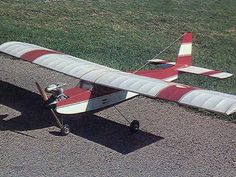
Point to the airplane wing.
(98, 74)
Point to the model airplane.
(101, 87)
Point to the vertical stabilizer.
(185, 51)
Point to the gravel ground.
(174, 140)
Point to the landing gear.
(134, 126)
(65, 129)
(58, 94)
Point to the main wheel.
(134, 126)
(65, 130)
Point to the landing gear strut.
(134, 125)
(65, 129)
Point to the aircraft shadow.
(33, 116)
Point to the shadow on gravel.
(94, 128)
(33, 115)
(111, 134)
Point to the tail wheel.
(134, 126)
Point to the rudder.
(185, 52)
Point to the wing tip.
(231, 110)
(222, 75)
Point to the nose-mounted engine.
(57, 92)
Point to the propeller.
(64, 128)
(42, 92)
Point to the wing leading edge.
(98, 74)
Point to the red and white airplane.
(101, 87)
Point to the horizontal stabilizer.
(205, 72)
(194, 69)
(160, 61)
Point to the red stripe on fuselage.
(174, 92)
(74, 91)
(79, 97)
(158, 74)
(78, 94)
(32, 55)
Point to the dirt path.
(174, 141)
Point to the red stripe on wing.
(32, 55)
(174, 92)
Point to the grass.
(124, 34)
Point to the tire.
(134, 126)
(65, 130)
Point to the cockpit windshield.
(85, 85)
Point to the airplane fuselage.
(98, 97)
